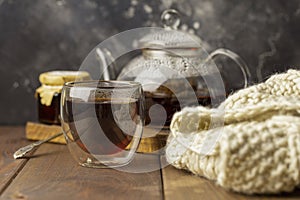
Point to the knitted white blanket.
(258, 149)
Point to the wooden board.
(180, 184)
(53, 174)
(37, 131)
(11, 138)
(152, 140)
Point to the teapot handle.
(236, 58)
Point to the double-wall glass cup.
(102, 121)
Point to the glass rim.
(100, 84)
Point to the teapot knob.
(170, 19)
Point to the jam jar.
(49, 93)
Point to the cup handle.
(236, 58)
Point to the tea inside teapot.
(170, 84)
(170, 102)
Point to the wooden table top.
(51, 173)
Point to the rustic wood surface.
(51, 173)
(180, 184)
(11, 138)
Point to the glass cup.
(102, 121)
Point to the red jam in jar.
(49, 93)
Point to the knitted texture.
(258, 150)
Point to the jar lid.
(59, 78)
(170, 37)
(53, 81)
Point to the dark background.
(43, 35)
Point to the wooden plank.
(11, 138)
(152, 141)
(180, 184)
(53, 174)
(37, 131)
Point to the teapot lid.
(170, 37)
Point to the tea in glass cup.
(102, 121)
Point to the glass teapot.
(176, 71)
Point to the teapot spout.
(108, 69)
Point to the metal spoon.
(20, 153)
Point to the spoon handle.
(20, 153)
